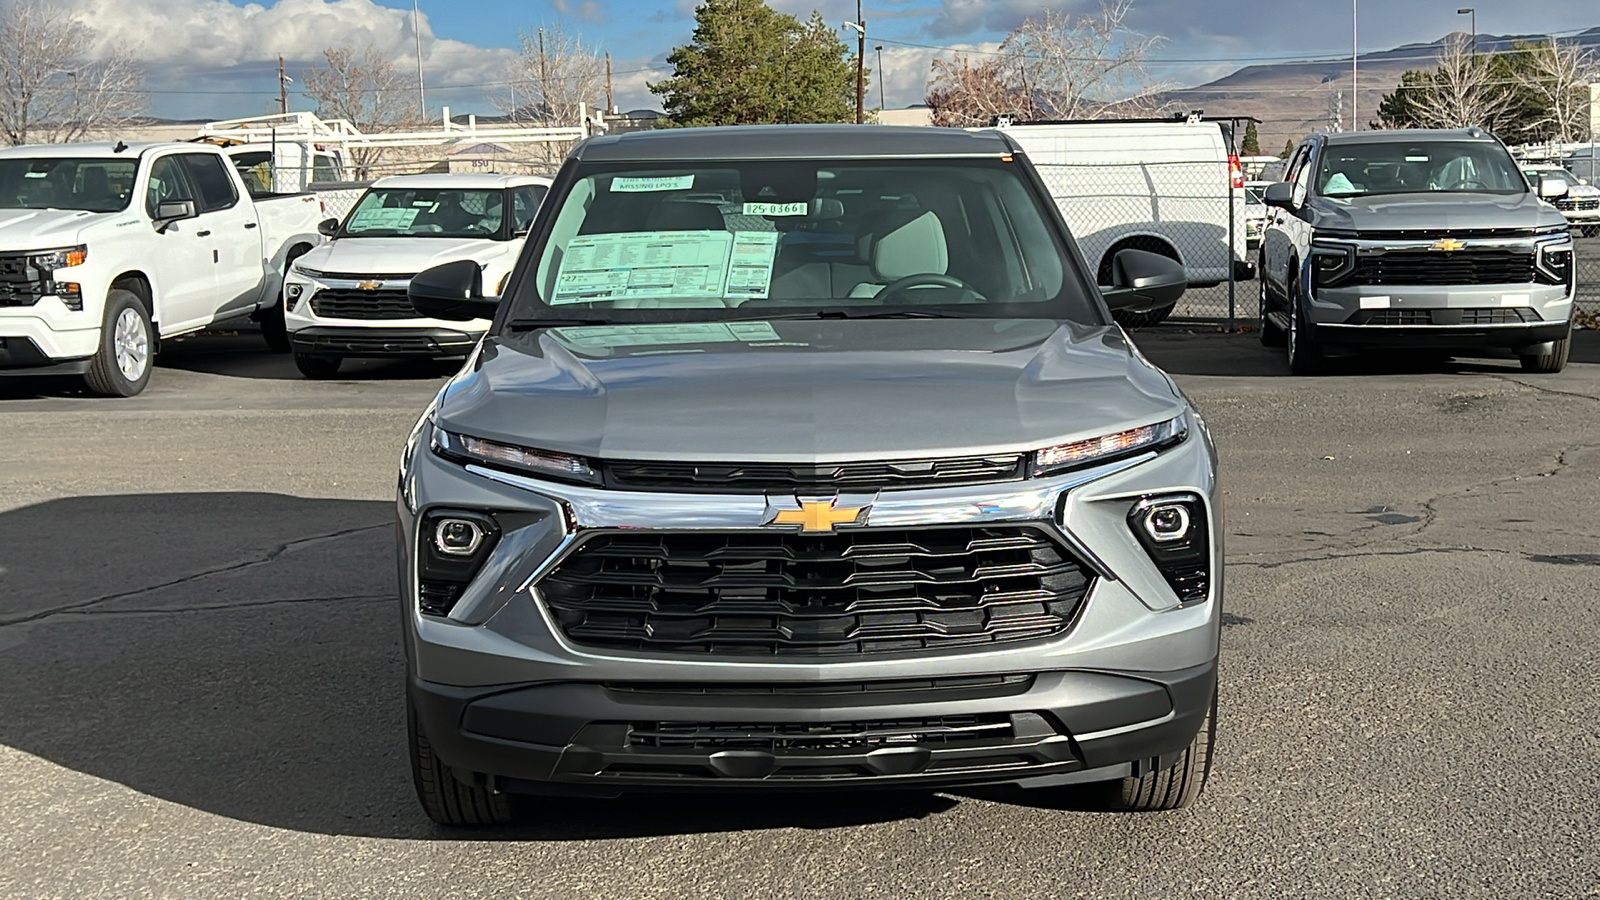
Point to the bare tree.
(1557, 74)
(555, 77)
(1464, 90)
(1056, 66)
(963, 95)
(1083, 67)
(50, 90)
(366, 89)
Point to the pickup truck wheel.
(121, 368)
(1271, 335)
(1551, 362)
(317, 366)
(1305, 353)
(446, 799)
(1177, 786)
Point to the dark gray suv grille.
(353, 303)
(1439, 268)
(787, 594)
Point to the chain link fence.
(1189, 211)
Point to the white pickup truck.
(106, 249)
(348, 298)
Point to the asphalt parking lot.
(200, 673)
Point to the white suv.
(347, 298)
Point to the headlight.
(61, 259)
(1100, 449)
(1332, 263)
(308, 271)
(461, 448)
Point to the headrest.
(682, 215)
(914, 247)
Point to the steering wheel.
(922, 279)
(1467, 184)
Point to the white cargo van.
(1164, 186)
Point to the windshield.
(426, 212)
(741, 240)
(1393, 167)
(95, 185)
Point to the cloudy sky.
(214, 58)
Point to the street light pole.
(1355, 67)
(861, 52)
(879, 48)
(1473, 12)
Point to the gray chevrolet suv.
(806, 457)
(1428, 240)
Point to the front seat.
(897, 248)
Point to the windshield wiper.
(530, 324)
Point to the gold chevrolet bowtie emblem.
(369, 285)
(818, 516)
(1448, 245)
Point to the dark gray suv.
(806, 457)
(1414, 239)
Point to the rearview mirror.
(1142, 281)
(1280, 195)
(453, 292)
(1552, 188)
(328, 227)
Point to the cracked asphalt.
(200, 674)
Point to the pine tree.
(748, 64)
(1288, 148)
(1252, 141)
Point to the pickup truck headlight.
(1110, 446)
(525, 460)
(64, 258)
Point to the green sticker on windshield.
(776, 209)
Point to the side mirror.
(1280, 195)
(328, 227)
(172, 211)
(1142, 281)
(453, 292)
(1552, 188)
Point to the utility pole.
(610, 107)
(861, 52)
(416, 33)
(544, 82)
(1355, 66)
(283, 88)
(881, 107)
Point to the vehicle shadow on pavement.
(245, 356)
(239, 654)
(1197, 350)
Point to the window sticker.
(687, 264)
(623, 184)
(383, 218)
(603, 337)
(750, 268)
(776, 209)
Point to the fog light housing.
(1174, 531)
(452, 547)
(291, 295)
(457, 537)
(70, 294)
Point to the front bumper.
(355, 341)
(503, 692)
(604, 739)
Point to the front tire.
(1304, 351)
(1271, 335)
(273, 328)
(447, 800)
(1177, 786)
(317, 367)
(121, 367)
(1552, 362)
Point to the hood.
(806, 390)
(1434, 212)
(402, 256)
(44, 229)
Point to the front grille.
(787, 594)
(352, 303)
(779, 737)
(1442, 268)
(747, 477)
(1488, 315)
(20, 294)
(1588, 204)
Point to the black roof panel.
(793, 142)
